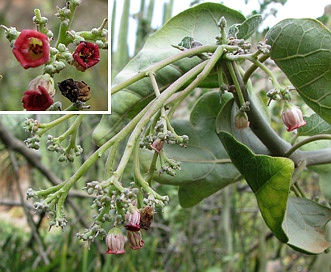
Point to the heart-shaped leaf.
(314, 125)
(302, 49)
(305, 225)
(269, 179)
(198, 22)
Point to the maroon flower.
(292, 117)
(37, 100)
(31, 48)
(132, 219)
(115, 241)
(135, 239)
(86, 55)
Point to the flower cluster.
(32, 48)
(135, 220)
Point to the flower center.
(35, 47)
(85, 54)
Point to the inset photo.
(54, 56)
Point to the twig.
(31, 223)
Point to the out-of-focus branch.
(34, 159)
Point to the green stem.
(139, 178)
(233, 74)
(65, 26)
(306, 141)
(253, 68)
(159, 65)
(152, 168)
(72, 129)
(48, 126)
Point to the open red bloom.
(37, 100)
(86, 55)
(31, 48)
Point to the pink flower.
(115, 241)
(135, 239)
(37, 100)
(86, 55)
(157, 145)
(292, 117)
(31, 48)
(132, 219)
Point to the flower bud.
(241, 120)
(132, 218)
(43, 80)
(157, 145)
(115, 241)
(292, 117)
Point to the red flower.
(115, 241)
(292, 118)
(86, 55)
(37, 100)
(31, 48)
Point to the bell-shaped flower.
(31, 48)
(132, 218)
(115, 241)
(292, 117)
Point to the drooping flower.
(115, 241)
(241, 120)
(146, 217)
(31, 48)
(292, 117)
(37, 100)
(86, 55)
(157, 145)
(135, 239)
(132, 219)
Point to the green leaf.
(206, 167)
(198, 22)
(301, 48)
(269, 179)
(246, 29)
(315, 125)
(305, 225)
